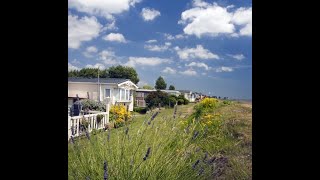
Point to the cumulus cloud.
(90, 51)
(224, 69)
(110, 26)
(213, 20)
(197, 52)
(98, 65)
(200, 65)
(117, 37)
(173, 37)
(169, 70)
(142, 83)
(146, 61)
(243, 17)
(75, 61)
(149, 14)
(82, 29)
(168, 36)
(151, 41)
(108, 57)
(188, 72)
(72, 67)
(158, 47)
(237, 56)
(105, 8)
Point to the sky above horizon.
(203, 46)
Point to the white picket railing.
(75, 121)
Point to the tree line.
(112, 72)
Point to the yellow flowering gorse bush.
(119, 114)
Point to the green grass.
(173, 149)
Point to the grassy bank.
(169, 148)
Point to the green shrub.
(172, 100)
(85, 123)
(156, 97)
(186, 101)
(93, 105)
(226, 102)
(141, 110)
(180, 101)
(99, 117)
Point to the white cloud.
(75, 61)
(149, 14)
(200, 3)
(82, 29)
(213, 20)
(243, 17)
(204, 73)
(180, 36)
(158, 47)
(72, 67)
(168, 36)
(108, 57)
(115, 37)
(200, 65)
(151, 41)
(110, 26)
(90, 51)
(145, 61)
(98, 65)
(198, 52)
(188, 72)
(237, 56)
(142, 83)
(169, 70)
(172, 37)
(105, 8)
(224, 69)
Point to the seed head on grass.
(211, 160)
(154, 115)
(87, 134)
(206, 130)
(147, 154)
(87, 178)
(195, 135)
(205, 157)
(127, 130)
(108, 135)
(200, 171)
(72, 139)
(105, 168)
(195, 164)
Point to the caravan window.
(107, 93)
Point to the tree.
(172, 100)
(89, 73)
(147, 87)
(160, 83)
(182, 100)
(124, 72)
(171, 87)
(154, 98)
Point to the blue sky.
(204, 46)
